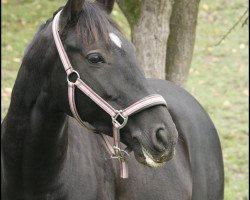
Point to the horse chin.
(144, 157)
(149, 159)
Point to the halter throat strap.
(119, 117)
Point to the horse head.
(106, 62)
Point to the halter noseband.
(119, 117)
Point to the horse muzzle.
(157, 148)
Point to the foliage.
(218, 76)
(132, 8)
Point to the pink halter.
(114, 149)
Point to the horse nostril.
(160, 139)
(161, 135)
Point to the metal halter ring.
(73, 71)
(118, 124)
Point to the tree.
(163, 32)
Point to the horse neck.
(37, 130)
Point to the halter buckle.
(115, 119)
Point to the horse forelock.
(94, 24)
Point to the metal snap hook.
(121, 155)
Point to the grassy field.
(218, 77)
(219, 80)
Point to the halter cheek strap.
(119, 117)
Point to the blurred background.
(218, 76)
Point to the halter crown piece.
(119, 117)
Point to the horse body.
(47, 155)
(85, 171)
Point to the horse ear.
(107, 4)
(70, 11)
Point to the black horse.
(47, 155)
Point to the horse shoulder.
(87, 173)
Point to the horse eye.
(95, 58)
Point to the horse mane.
(93, 25)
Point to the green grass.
(218, 77)
(219, 80)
